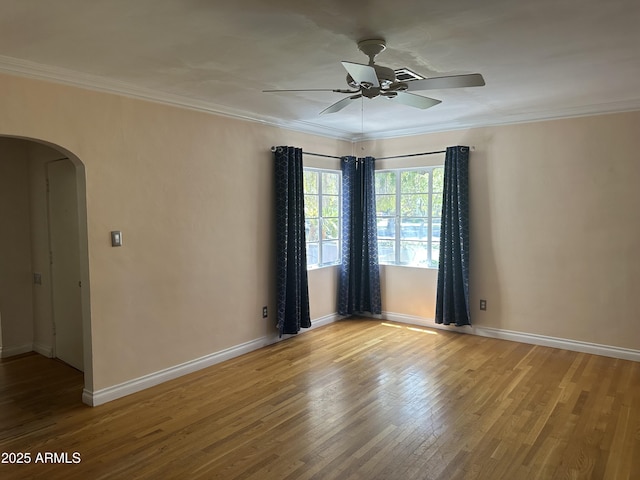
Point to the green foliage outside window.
(322, 216)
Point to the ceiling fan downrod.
(371, 48)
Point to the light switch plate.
(116, 238)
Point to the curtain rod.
(273, 149)
(411, 155)
(320, 155)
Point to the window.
(322, 216)
(408, 208)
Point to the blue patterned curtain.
(359, 285)
(452, 303)
(292, 286)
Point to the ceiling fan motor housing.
(386, 77)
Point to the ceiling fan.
(374, 80)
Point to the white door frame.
(64, 260)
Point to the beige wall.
(554, 228)
(192, 195)
(553, 224)
(16, 311)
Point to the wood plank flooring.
(357, 399)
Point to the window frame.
(397, 240)
(320, 195)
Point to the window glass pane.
(329, 229)
(415, 205)
(310, 181)
(414, 181)
(417, 224)
(386, 227)
(414, 228)
(385, 182)
(385, 205)
(330, 183)
(438, 179)
(435, 229)
(330, 207)
(311, 229)
(435, 255)
(386, 251)
(312, 254)
(414, 253)
(311, 206)
(322, 216)
(436, 210)
(330, 252)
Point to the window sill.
(421, 267)
(320, 267)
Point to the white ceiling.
(540, 59)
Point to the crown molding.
(37, 71)
(25, 68)
(559, 114)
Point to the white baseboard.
(108, 394)
(114, 392)
(10, 351)
(530, 338)
(46, 350)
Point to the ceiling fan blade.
(338, 90)
(453, 81)
(336, 107)
(364, 75)
(412, 100)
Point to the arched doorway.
(44, 294)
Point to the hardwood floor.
(357, 399)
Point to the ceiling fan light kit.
(372, 80)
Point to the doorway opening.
(44, 291)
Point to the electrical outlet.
(483, 304)
(265, 314)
